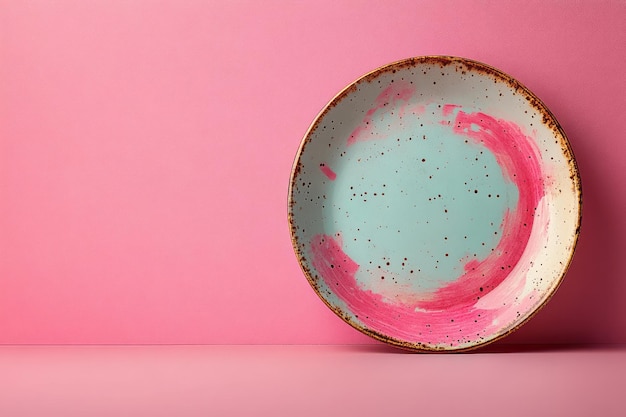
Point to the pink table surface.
(146, 147)
(307, 381)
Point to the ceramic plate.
(434, 204)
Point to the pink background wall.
(146, 146)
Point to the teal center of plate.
(414, 207)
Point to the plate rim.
(548, 119)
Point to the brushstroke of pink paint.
(330, 174)
(402, 321)
(398, 93)
(514, 293)
(519, 159)
(449, 108)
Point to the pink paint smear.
(519, 160)
(330, 174)
(448, 109)
(449, 315)
(401, 321)
(393, 97)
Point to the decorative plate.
(435, 204)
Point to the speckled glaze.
(435, 204)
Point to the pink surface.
(309, 381)
(145, 151)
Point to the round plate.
(435, 204)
